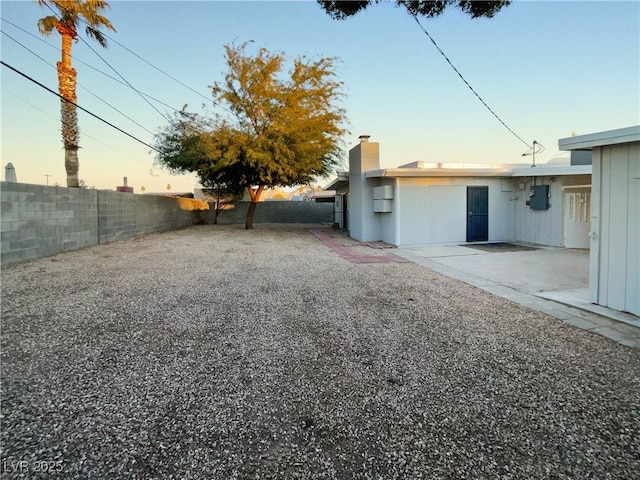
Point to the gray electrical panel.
(539, 197)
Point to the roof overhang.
(437, 172)
(341, 181)
(600, 139)
(507, 171)
(551, 171)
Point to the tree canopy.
(341, 10)
(72, 12)
(282, 129)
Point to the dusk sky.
(548, 69)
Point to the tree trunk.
(216, 211)
(249, 220)
(255, 197)
(69, 115)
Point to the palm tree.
(66, 21)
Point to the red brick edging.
(347, 252)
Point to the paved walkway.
(354, 251)
(550, 280)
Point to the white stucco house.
(591, 201)
(421, 204)
(614, 259)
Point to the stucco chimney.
(364, 138)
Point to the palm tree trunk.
(69, 114)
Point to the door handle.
(470, 214)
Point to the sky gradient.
(548, 69)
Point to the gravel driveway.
(216, 353)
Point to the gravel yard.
(217, 353)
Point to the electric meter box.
(539, 197)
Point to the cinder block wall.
(125, 215)
(276, 212)
(38, 220)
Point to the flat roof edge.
(599, 139)
(437, 172)
(550, 171)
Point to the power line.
(169, 75)
(111, 39)
(80, 85)
(84, 63)
(85, 88)
(78, 106)
(107, 63)
(120, 81)
(84, 134)
(160, 70)
(415, 17)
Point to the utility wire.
(85, 63)
(415, 17)
(164, 73)
(200, 122)
(111, 39)
(84, 134)
(116, 79)
(216, 104)
(78, 106)
(80, 85)
(107, 63)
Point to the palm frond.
(72, 12)
(47, 25)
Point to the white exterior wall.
(544, 227)
(614, 273)
(364, 225)
(434, 210)
(389, 221)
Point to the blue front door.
(477, 214)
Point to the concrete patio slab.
(551, 280)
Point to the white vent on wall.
(383, 193)
(381, 206)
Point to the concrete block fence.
(275, 212)
(38, 221)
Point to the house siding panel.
(633, 232)
(544, 227)
(434, 210)
(615, 266)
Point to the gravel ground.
(216, 353)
